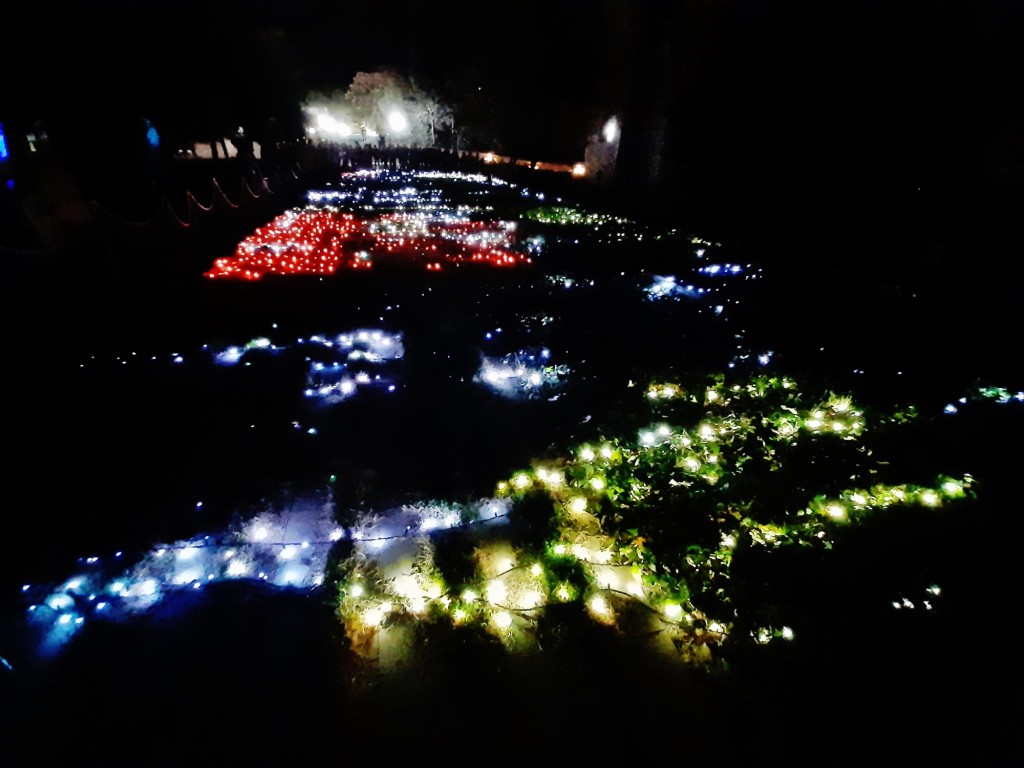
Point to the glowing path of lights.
(667, 287)
(362, 349)
(524, 374)
(285, 549)
(407, 225)
(392, 581)
(413, 219)
(603, 227)
(360, 360)
(1000, 395)
(368, 191)
(677, 600)
(322, 242)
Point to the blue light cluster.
(668, 287)
(526, 373)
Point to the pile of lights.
(424, 219)
(430, 220)
(607, 228)
(744, 356)
(368, 198)
(347, 361)
(318, 241)
(284, 549)
(834, 414)
(535, 244)
(722, 269)
(451, 180)
(932, 591)
(720, 394)
(564, 281)
(525, 322)
(610, 502)
(999, 395)
(382, 534)
(526, 373)
(459, 176)
(668, 287)
(405, 191)
(360, 356)
(298, 242)
(420, 240)
(565, 215)
(730, 270)
(233, 355)
(855, 503)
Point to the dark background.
(780, 101)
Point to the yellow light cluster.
(616, 574)
(858, 502)
(718, 393)
(835, 415)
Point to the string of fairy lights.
(384, 219)
(610, 500)
(411, 219)
(392, 578)
(522, 374)
(278, 549)
(322, 242)
(614, 572)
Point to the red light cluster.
(321, 242)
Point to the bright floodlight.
(328, 124)
(611, 129)
(397, 121)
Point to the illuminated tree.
(378, 104)
(432, 114)
(373, 97)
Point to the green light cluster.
(573, 216)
